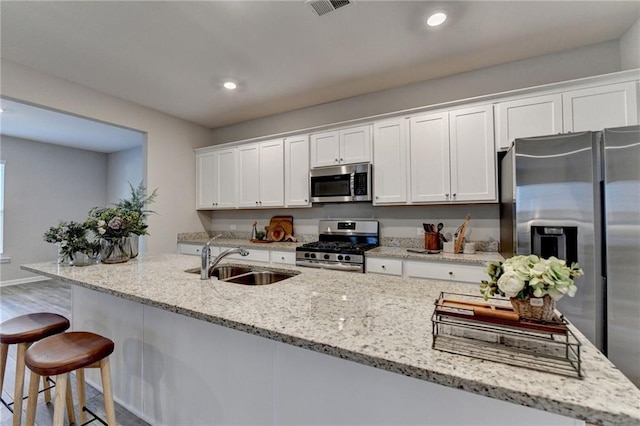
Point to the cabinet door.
(473, 156)
(355, 145)
(296, 171)
(597, 108)
(429, 152)
(521, 118)
(271, 179)
(325, 149)
(248, 175)
(225, 178)
(390, 162)
(205, 180)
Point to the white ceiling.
(173, 55)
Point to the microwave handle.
(352, 184)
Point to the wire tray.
(545, 346)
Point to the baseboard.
(17, 281)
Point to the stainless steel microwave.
(340, 184)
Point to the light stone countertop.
(386, 325)
(235, 242)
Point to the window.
(1, 206)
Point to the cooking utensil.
(460, 239)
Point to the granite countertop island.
(379, 321)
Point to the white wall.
(44, 184)
(572, 64)
(630, 48)
(124, 167)
(170, 164)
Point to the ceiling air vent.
(322, 7)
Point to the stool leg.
(19, 388)
(45, 386)
(61, 392)
(70, 412)
(106, 391)
(81, 395)
(4, 352)
(32, 401)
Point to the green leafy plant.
(136, 206)
(70, 237)
(112, 222)
(530, 276)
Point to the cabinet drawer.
(288, 257)
(446, 271)
(255, 255)
(192, 249)
(384, 266)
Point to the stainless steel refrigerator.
(577, 197)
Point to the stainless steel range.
(341, 246)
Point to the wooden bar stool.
(58, 356)
(23, 331)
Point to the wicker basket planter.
(538, 308)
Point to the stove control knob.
(313, 255)
(340, 257)
(326, 256)
(347, 258)
(307, 255)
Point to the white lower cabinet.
(285, 257)
(379, 265)
(445, 271)
(195, 249)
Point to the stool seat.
(32, 327)
(66, 352)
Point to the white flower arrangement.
(531, 276)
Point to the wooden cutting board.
(280, 229)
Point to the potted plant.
(71, 238)
(533, 284)
(136, 206)
(113, 226)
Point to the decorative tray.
(491, 330)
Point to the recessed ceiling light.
(436, 19)
(230, 85)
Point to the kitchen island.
(321, 347)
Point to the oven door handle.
(334, 266)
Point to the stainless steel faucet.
(207, 263)
(205, 259)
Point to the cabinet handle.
(454, 194)
(451, 273)
(335, 161)
(256, 203)
(306, 201)
(446, 195)
(384, 267)
(377, 198)
(342, 159)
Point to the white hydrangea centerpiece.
(529, 276)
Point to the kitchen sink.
(260, 278)
(244, 275)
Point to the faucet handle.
(244, 252)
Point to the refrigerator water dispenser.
(557, 241)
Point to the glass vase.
(79, 258)
(134, 245)
(115, 250)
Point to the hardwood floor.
(46, 296)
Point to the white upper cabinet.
(390, 162)
(216, 179)
(344, 146)
(473, 156)
(597, 108)
(296, 171)
(521, 118)
(453, 156)
(430, 165)
(261, 174)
